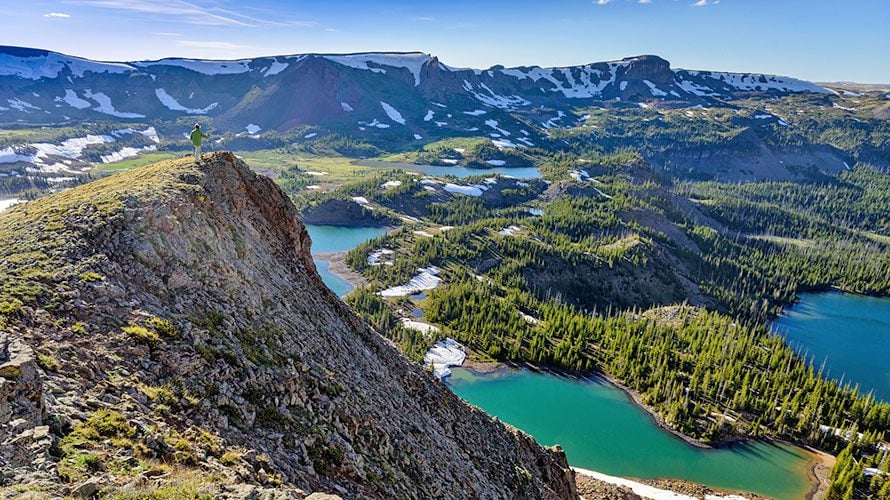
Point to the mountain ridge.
(497, 88)
(37, 52)
(168, 322)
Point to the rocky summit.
(164, 330)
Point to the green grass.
(35, 238)
(798, 242)
(37, 134)
(131, 163)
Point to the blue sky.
(821, 40)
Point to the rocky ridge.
(165, 330)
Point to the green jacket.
(196, 137)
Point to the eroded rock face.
(184, 323)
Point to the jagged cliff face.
(166, 328)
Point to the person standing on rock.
(196, 137)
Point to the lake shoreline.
(819, 472)
(338, 267)
(680, 489)
(818, 467)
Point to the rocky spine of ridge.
(165, 330)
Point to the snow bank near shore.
(444, 354)
(646, 491)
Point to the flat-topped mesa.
(184, 339)
(648, 67)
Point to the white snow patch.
(172, 104)
(9, 155)
(503, 143)
(275, 68)
(105, 106)
(124, 153)
(413, 62)
(490, 98)
(51, 64)
(475, 112)
(425, 328)
(509, 230)
(4, 204)
(361, 200)
(376, 123)
(579, 175)
(654, 89)
(496, 163)
(314, 173)
(494, 124)
(389, 184)
(380, 257)
(426, 280)
(21, 105)
(310, 135)
(252, 128)
(444, 354)
(392, 113)
(71, 149)
(152, 134)
(473, 190)
(346, 106)
(203, 67)
(749, 81)
(529, 319)
(417, 137)
(643, 490)
(537, 212)
(73, 100)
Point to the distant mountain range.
(412, 91)
(691, 124)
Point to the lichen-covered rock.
(182, 341)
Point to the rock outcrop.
(165, 329)
(347, 213)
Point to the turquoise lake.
(328, 239)
(600, 428)
(850, 333)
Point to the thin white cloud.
(163, 33)
(205, 44)
(703, 3)
(190, 13)
(57, 14)
(602, 2)
(645, 1)
(423, 18)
